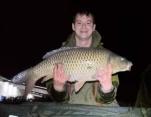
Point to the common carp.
(80, 64)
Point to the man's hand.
(59, 78)
(105, 79)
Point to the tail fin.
(20, 77)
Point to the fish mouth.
(129, 66)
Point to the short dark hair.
(83, 12)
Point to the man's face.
(83, 26)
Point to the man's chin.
(84, 37)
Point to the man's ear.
(73, 27)
(94, 26)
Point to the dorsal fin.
(48, 54)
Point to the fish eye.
(122, 59)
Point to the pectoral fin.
(79, 85)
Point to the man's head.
(83, 25)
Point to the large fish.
(80, 64)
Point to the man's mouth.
(83, 31)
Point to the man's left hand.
(105, 78)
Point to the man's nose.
(84, 25)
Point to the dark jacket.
(90, 93)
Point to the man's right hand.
(60, 78)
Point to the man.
(101, 93)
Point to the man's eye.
(89, 23)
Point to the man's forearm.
(107, 97)
(59, 96)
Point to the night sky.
(29, 30)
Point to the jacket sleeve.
(108, 97)
(55, 95)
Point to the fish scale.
(80, 64)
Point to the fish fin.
(29, 86)
(30, 83)
(50, 53)
(79, 85)
(45, 79)
(20, 77)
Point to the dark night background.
(29, 30)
